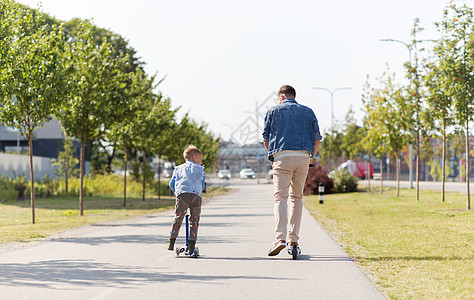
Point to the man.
(292, 139)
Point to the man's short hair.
(190, 152)
(288, 91)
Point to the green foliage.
(95, 91)
(331, 145)
(20, 185)
(110, 185)
(32, 75)
(7, 188)
(351, 142)
(189, 132)
(344, 182)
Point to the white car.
(247, 174)
(223, 174)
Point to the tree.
(415, 100)
(455, 53)
(351, 145)
(32, 77)
(331, 145)
(66, 162)
(189, 132)
(151, 131)
(95, 92)
(439, 115)
(374, 140)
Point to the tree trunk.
(144, 175)
(418, 166)
(443, 163)
(397, 166)
(32, 178)
(125, 178)
(159, 177)
(110, 158)
(367, 175)
(81, 189)
(66, 175)
(467, 167)
(417, 177)
(381, 176)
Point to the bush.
(7, 188)
(20, 184)
(315, 176)
(46, 188)
(111, 185)
(344, 182)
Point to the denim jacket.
(188, 178)
(290, 126)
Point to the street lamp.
(401, 42)
(332, 98)
(410, 167)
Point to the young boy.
(187, 183)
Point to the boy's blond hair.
(190, 152)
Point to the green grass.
(54, 215)
(412, 250)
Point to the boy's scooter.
(180, 250)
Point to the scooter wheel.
(177, 251)
(294, 252)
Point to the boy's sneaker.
(276, 248)
(171, 242)
(291, 246)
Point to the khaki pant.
(289, 176)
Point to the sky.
(224, 60)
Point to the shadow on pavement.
(316, 258)
(123, 239)
(55, 273)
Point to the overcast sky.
(221, 58)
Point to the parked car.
(223, 174)
(357, 169)
(247, 174)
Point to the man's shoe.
(276, 248)
(171, 242)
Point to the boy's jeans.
(289, 176)
(183, 201)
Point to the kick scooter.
(293, 252)
(184, 249)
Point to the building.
(235, 158)
(47, 141)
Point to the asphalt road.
(128, 259)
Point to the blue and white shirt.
(188, 178)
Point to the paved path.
(128, 260)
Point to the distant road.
(427, 185)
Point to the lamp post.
(410, 167)
(332, 98)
